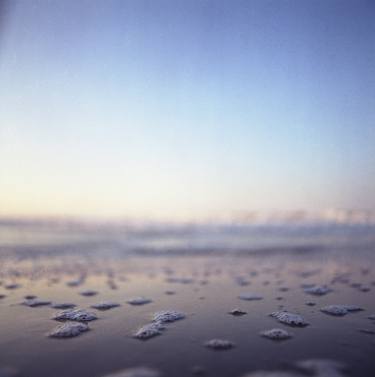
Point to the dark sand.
(206, 288)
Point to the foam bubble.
(219, 344)
(168, 316)
(68, 330)
(318, 290)
(79, 315)
(340, 310)
(149, 331)
(63, 305)
(237, 312)
(88, 292)
(105, 305)
(35, 302)
(291, 319)
(250, 297)
(276, 334)
(139, 301)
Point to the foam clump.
(135, 372)
(168, 316)
(250, 297)
(139, 301)
(12, 286)
(237, 312)
(149, 331)
(79, 315)
(88, 293)
(157, 325)
(179, 280)
(75, 283)
(276, 334)
(219, 344)
(68, 330)
(317, 290)
(105, 305)
(63, 305)
(34, 302)
(340, 310)
(291, 319)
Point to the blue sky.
(180, 109)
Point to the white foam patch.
(340, 310)
(291, 319)
(139, 301)
(168, 316)
(75, 283)
(63, 305)
(89, 292)
(149, 331)
(34, 302)
(79, 315)
(318, 290)
(237, 312)
(250, 297)
(12, 286)
(105, 305)
(68, 330)
(180, 280)
(136, 372)
(276, 334)
(219, 344)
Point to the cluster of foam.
(88, 293)
(156, 327)
(318, 290)
(139, 301)
(69, 330)
(250, 297)
(63, 305)
(78, 315)
(75, 283)
(340, 310)
(149, 331)
(34, 302)
(12, 286)
(180, 280)
(105, 305)
(237, 312)
(291, 319)
(168, 316)
(136, 372)
(219, 344)
(276, 334)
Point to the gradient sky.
(186, 109)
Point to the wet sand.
(205, 288)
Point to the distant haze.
(171, 109)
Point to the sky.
(171, 109)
